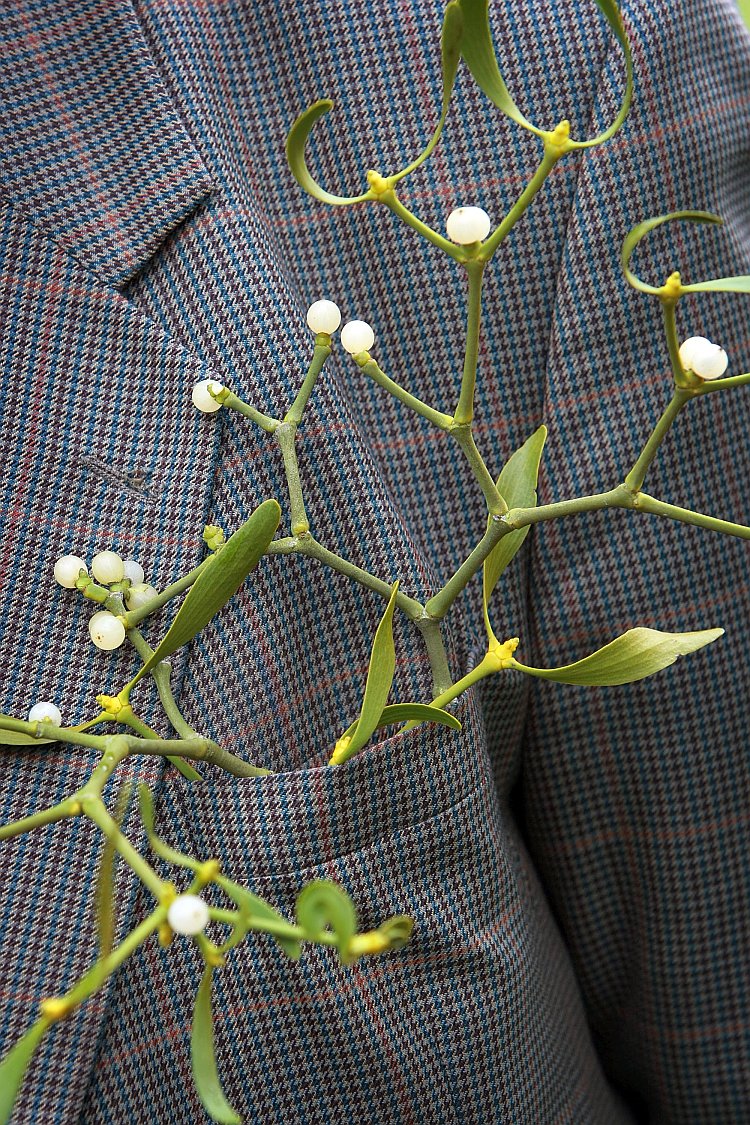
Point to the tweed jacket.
(575, 859)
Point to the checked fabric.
(576, 859)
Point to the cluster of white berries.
(188, 914)
(107, 568)
(704, 359)
(468, 224)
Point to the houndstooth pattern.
(573, 859)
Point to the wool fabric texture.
(574, 859)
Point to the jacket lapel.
(91, 144)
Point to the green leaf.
(295, 155)
(14, 1065)
(417, 712)
(517, 486)
(397, 930)
(639, 232)
(104, 886)
(451, 56)
(222, 577)
(158, 847)
(610, 9)
(321, 906)
(633, 656)
(254, 909)
(203, 1057)
(740, 284)
(479, 52)
(379, 678)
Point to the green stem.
(371, 368)
(486, 667)
(491, 244)
(646, 503)
(635, 478)
(310, 547)
(93, 808)
(265, 421)
(394, 204)
(286, 435)
(721, 384)
(196, 750)
(269, 926)
(42, 730)
(439, 605)
(465, 408)
(99, 971)
(135, 616)
(684, 380)
(495, 503)
(64, 809)
(438, 657)
(619, 497)
(161, 675)
(320, 355)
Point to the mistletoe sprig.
(324, 914)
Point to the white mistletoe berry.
(202, 400)
(133, 571)
(106, 630)
(107, 567)
(357, 336)
(45, 713)
(705, 359)
(468, 224)
(188, 914)
(139, 594)
(323, 316)
(67, 569)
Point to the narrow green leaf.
(104, 885)
(517, 486)
(158, 847)
(295, 155)
(323, 905)
(633, 656)
(203, 1057)
(379, 678)
(451, 56)
(403, 712)
(479, 52)
(610, 9)
(639, 232)
(256, 909)
(221, 578)
(740, 284)
(14, 1065)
